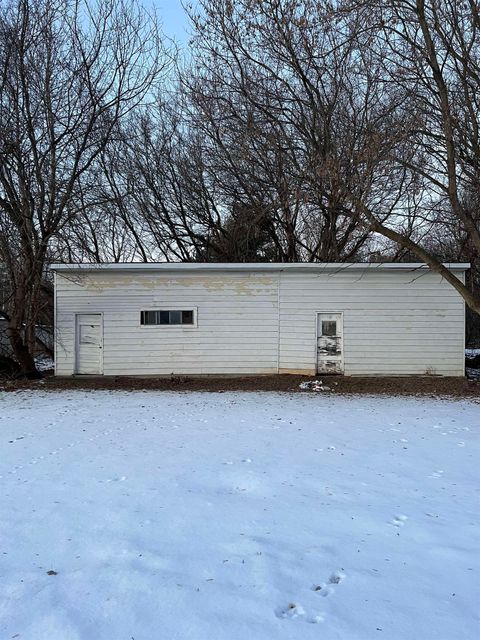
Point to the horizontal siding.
(190, 370)
(237, 320)
(394, 322)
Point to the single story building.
(169, 318)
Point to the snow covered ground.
(472, 373)
(238, 516)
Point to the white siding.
(395, 322)
(237, 317)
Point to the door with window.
(89, 344)
(330, 343)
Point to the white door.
(329, 343)
(89, 344)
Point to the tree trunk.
(471, 299)
(21, 352)
(19, 327)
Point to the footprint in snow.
(292, 610)
(336, 578)
(323, 589)
(399, 521)
(326, 588)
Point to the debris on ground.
(432, 386)
(315, 385)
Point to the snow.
(225, 516)
(473, 374)
(44, 363)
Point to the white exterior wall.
(395, 322)
(237, 318)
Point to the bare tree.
(355, 117)
(237, 163)
(269, 91)
(429, 55)
(165, 179)
(71, 71)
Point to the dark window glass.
(329, 328)
(164, 317)
(149, 317)
(175, 317)
(187, 317)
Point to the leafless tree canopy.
(71, 72)
(293, 130)
(368, 111)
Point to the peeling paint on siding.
(258, 323)
(251, 285)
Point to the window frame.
(183, 327)
(329, 335)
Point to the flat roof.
(254, 266)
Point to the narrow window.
(167, 317)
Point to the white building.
(355, 319)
